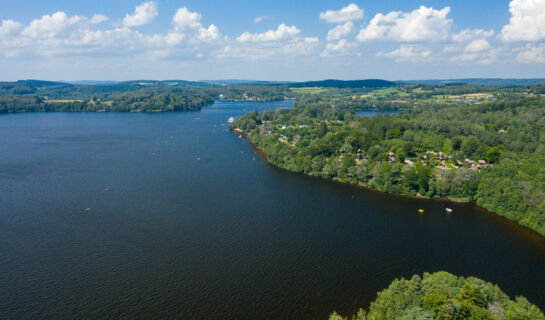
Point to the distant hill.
(482, 81)
(172, 83)
(27, 86)
(90, 87)
(332, 83)
(93, 82)
(235, 82)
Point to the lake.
(132, 215)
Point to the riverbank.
(363, 186)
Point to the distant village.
(430, 158)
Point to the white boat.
(231, 120)
(449, 210)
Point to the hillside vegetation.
(443, 296)
(491, 152)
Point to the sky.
(271, 40)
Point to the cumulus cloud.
(482, 57)
(340, 31)
(143, 14)
(58, 34)
(49, 26)
(283, 32)
(342, 47)
(98, 18)
(411, 53)
(9, 26)
(267, 50)
(349, 13)
(423, 24)
(186, 22)
(477, 46)
(532, 54)
(472, 34)
(527, 21)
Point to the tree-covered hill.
(443, 296)
(332, 83)
(492, 152)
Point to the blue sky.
(271, 40)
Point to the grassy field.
(61, 101)
(471, 95)
(386, 93)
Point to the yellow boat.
(420, 211)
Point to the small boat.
(449, 210)
(240, 136)
(420, 211)
(231, 120)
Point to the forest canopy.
(443, 296)
(492, 152)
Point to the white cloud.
(477, 46)
(269, 50)
(472, 34)
(288, 47)
(283, 32)
(340, 31)
(341, 48)
(8, 27)
(349, 13)
(261, 18)
(423, 24)
(410, 53)
(143, 14)
(527, 21)
(189, 23)
(185, 20)
(532, 54)
(482, 57)
(50, 26)
(61, 35)
(98, 18)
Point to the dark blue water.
(186, 221)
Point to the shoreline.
(358, 185)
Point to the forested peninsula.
(457, 141)
(443, 296)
